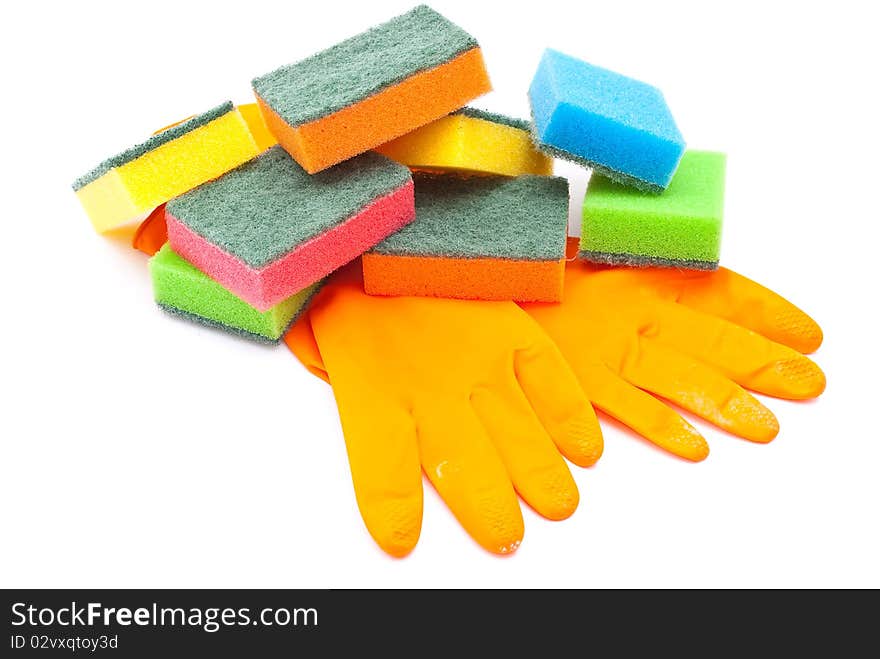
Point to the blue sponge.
(620, 127)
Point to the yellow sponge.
(257, 125)
(252, 116)
(168, 164)
(472, 141)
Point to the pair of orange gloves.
(488, 398)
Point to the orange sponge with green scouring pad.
(477, 237)
(371, 88)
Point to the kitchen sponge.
(618, 126)
(479, 237)
(680, 228)
(371, 88)
(132, 183)
(182, 289)
(471, 140)
(268, 229)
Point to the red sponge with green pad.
(477, 237)
(679, 228)
(182, 289)
(267, 229)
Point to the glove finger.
(538, 472)
(746, 357)
(698, 389)
(729, 295)
(383, 456)
(467, 472)
(646, 415)
(559, 402)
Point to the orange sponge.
(371, 88)
(470, 278)
(479, 237)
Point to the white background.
(142, 451)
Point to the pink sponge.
(268, 229)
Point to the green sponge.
(679, 228)
(184, 290)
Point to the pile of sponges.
(369, 148)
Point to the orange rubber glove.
(698, 339)
(473, 393)
(151, 233)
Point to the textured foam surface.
(472, 141)
(487, 237)
(156, 140)
(268, 229)
(470, 279)
(181, 288)
(680, 228)
(371, 88)
(172, 161)
(618, 126)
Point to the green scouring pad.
(182, 289)
(679, 228)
